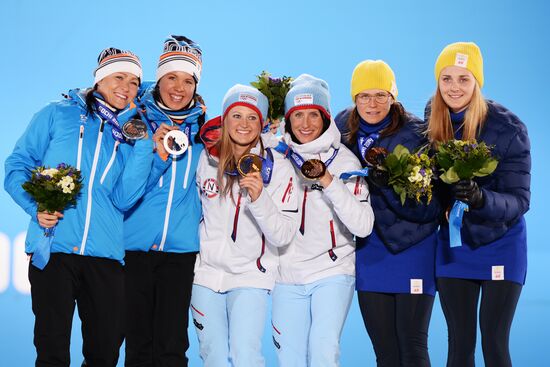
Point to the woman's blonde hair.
(228, 162)
(440, 127)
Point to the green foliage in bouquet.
(464, 160)
(409, 174)
(54, 189)
(275, 89)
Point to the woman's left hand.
(253, 183)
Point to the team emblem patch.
(210, 188)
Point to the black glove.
(378, 177)
(468, 192)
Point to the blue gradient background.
(49, 47)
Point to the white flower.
(49, 172)
(66, 184)
(415, 175)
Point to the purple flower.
(467, 148)
(275, 81)
(61, 166)
(422, 172)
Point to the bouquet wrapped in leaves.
(53, 189)
(409, 174)
(462, 160)
(275, 89)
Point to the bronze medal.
(134, 129)
(375, 156)
(313, 169)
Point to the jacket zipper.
(188, 168)
(79, 152)
(168, 205)
(236, 218)
(113, 156)
(331, 253)
(303, 222)
(90, 188)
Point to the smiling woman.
(491, 258)
(118, 89)
(161, 249)
(85, 266)
(245, 219)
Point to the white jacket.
(329, 217)
(251, 258)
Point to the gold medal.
(249, 163)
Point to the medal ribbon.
(106, 114)
(267, 168)
(296, 159)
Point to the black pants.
(97, 287)
(398, 327)
(158, 294)
(459, 300)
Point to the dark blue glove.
(378, 177)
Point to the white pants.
(308, 321)
(230, 325)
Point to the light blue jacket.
(167, 217)
(114, 176)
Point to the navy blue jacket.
(507, 190)
(399, 227)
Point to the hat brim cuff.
(244, 104)
(179, 65)
(117, 67)
(307, 107)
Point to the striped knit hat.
(112, 60)
(180, 54)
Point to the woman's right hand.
(274, 126)
(159, 135)
(47, 219)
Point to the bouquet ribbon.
(296, 159)
(267, 168)
(41, 254)
(455, 223)
(363, 172)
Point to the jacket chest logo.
(210, 188)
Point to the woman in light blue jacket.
(161, 232)
(87, 251)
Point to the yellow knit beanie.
(372, 74)
(463, 54)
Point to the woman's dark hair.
(398, 118)
(90, 101)
(288, 127)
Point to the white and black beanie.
(180, 54)
(113, 60)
